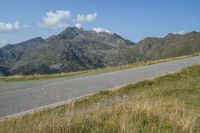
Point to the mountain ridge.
(77, 49)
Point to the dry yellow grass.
(166, 104)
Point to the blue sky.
(133, 19)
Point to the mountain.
(171, 45)
(71, 50)
(10, 54)
(77, 49)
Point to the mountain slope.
(77, 49)
(71, 50)
(10, 55)
(170, 46)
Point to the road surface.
(16, 97)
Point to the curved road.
(16, 97)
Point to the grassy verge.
(166, 104)
(93, 71)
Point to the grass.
(167, 104)
(92, 71)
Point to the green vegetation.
(93, 71)
(166, 104)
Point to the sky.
(21, 20)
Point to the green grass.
(167, 104)
(92, 71)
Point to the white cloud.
(86, 18)
(57, 19)
(8, 27)
(3, 43)
(180, 32)
(101, 30)
(78, 25)
(62, 18)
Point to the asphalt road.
(16, 97)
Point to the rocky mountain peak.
(70, 33)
